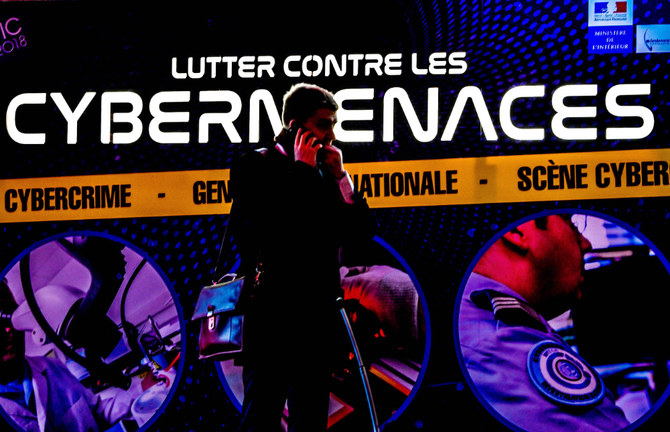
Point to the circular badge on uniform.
(562, 376)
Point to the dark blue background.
(102, 46)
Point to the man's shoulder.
(502, 304)
(493, 323)
(255, 157)
(248, 162)
(259, 153)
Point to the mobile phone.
(292, 132)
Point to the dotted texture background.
(76, 47)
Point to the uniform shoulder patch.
(562, 376)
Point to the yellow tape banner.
(509, 179)
(174, 193)
(437, 182)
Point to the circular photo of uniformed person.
(558, 322)
(91, 337)
(386, 317)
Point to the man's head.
(542, 260)
(312, 107)
(11, 340)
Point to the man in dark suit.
(293, 208)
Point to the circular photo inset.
(557, 325)
(91, 336)
(385, 312)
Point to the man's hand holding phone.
(305, 146)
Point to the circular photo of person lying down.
(557, 325)
(92, 337)
(383, 325)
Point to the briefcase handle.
(232, 277)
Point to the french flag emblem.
(601, 7)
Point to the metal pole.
(361, 366)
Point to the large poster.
(513, 154)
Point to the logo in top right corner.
(652, 38)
